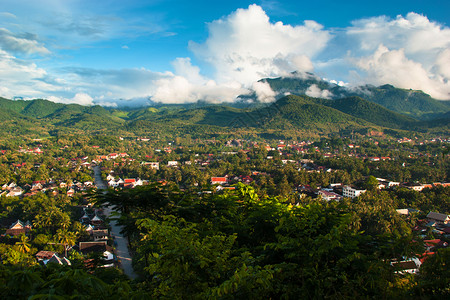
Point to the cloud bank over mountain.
(408, 51)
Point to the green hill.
(41, 108)
(303, 112)
(65, 113)
(443, 122)
(16, 124)
(415, 104)
(31, 114)
(371, 112)
(211, 115)
(16, 106)
(289, 115)
(88, 118)
(299, 84)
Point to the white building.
(350, 192)
(153, 165)
(410, 266)
(114, 183)
(329, 195)
(172, 163)
(14, 192)
(406, 211)
(415, 186)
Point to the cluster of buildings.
(337, 191)
(96, 239)
(124, 183)
(42, 186)
(111, 156)
(35, 150)
(440, 225)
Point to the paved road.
(122, 252)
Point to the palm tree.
(64, 222)
(65, 238)
(46, 218)
(23, 245)
(78, 229)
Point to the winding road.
(121, 251)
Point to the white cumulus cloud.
(415, 33)
(22, 78)
(245, 46)
(183, 67)
(25, 43)
(178, 89)
(241, 49)
(392, 66)
(316, 92)
(442, 64)
(407, 52)
(79, 98)
(264, 92)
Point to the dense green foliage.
(55, 282)
(304, 112)
(371, 112)
(241, 245)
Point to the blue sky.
(126, 52)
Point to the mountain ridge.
(292, 113)
(413, 103)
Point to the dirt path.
(121, 242)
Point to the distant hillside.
(443, 122)
(16, 124)
(303, 112)
(415, 104)
(41, 108)
(38, 108)
(28, 112)
(289, 116)
(371, 112)
(299, 85)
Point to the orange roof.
(443, 184)
(219, 179)
(425, 255)
(432, 242)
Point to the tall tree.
(23, 245)
(66, 238)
